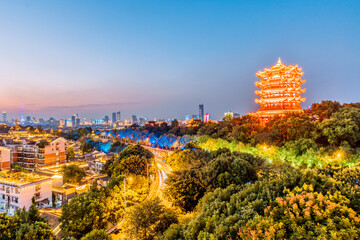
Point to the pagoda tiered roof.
(279, 68)
(280, 90)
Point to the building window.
(37, 195)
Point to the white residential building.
(18, 189)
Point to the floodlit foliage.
(304, 212)
(72, 173)
(27, 225)
(95, 209)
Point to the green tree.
(342, 126)
(185, 188)
(292, 126)
(225, 170)
(136, 150)
(26, 225)
(304, 213)
(223, 212)
(97, 234)
(188, 158)
(70, 154)
(94, 209)
(8, 226)
(131, 165)
(149, 219)
(245, 129)
(72, 173)
(86, 147)
(324, 109)
(37, 230)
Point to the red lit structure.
(280, 90)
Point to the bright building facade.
(18, 189)
(32, 154)
(5, 158)
(280, 90)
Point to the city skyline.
(162, 60)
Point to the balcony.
(37, 196)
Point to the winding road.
(157, 187)
(163, 170)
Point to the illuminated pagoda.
(280, 90)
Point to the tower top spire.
(279, 61)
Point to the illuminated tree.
(305, 213)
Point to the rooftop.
(20, 179)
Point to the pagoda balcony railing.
(278, 108)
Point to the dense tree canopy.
(95, 209)
(225, 213)
(132, 160)
(305, 213)
(72, 173)
(97, 234)
(149, 219)
(27, 225)
(201, 172)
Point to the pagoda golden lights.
(280, 90)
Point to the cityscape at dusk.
(179, 120)
(162, 59)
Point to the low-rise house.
(96, 165)
(17, 190)
(62, 194)
(103, 181)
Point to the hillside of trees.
(232, 195)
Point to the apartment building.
(30, 153)
(18, 189)
(5, 158)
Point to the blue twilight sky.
(163, 58)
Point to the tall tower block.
(280, 90)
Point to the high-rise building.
(28, 118)
(201, 112)
(118, 116)
(77, 122)
(113, 119)
(142, 121)
(133, 119)
(106, 119)
(206, 117)
(280, 90)
(73, 121)
(4, 117)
